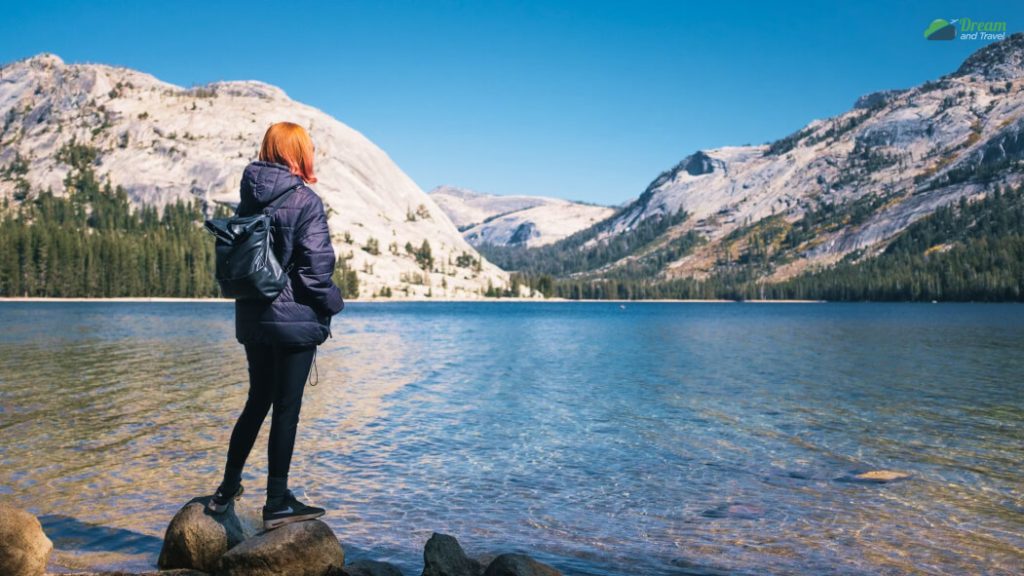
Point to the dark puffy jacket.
(301, 314)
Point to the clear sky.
(585, 100)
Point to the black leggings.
(277, 377)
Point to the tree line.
(967, 251)
(91, 242)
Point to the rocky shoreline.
(197, 543)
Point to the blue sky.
(584, 100)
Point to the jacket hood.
(264, 182)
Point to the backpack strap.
(273, 206)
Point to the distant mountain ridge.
(515, 220)
(831, 198)
(162, 143)
(838, 189)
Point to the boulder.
(371, 568)
(519, 565)
(24, 549)
(196, 539)
(306, 548)
(443, 556)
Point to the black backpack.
(246, 266)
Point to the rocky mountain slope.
(162, 142)
(843, 186)
(515, 220)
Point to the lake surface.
(654, 439)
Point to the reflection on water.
(656, 439)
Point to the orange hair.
(289, 144)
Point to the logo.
(942, 29)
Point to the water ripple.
(661, 439)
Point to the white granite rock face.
(527, 221)
(905, 145)
(163, 143)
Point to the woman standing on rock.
(281, 336)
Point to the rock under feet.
(307, 548)
(197, 539)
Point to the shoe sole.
(220, 509)
(271, 524)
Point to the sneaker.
(221, 501)
(287, 510)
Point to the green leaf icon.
(940, 29)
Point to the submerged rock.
(443, 556)
(876, 477)
(734, 510)
(371, 568)
(697, 568)
(24, 548)
(306, 548)
(519, 565)
(197, 539)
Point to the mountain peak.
(44, 60)
(1003, 60)
(162, 143)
